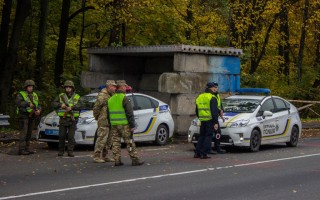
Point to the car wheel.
(255, 140)
(162, 135)
(53, 145)
(294, 138)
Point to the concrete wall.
(172, 74)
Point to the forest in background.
(47, 40)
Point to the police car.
(152, 117)
(251, 121)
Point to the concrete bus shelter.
(175, 74)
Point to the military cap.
(121, 83)
(212, 84)
(68, 83)
(28, 83)
(111, 82)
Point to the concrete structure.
(175, 74)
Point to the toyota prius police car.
(251, 121)
(152, 117)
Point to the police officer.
(122, 124)
(217, 133)
(68, 111)
(104, 139)
(28, 109)
(207, 112)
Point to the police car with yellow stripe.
(251, 121)
(152, 117)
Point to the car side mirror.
(267, 114)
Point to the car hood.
(52, 119)
(233, 117)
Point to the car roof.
(96, 94)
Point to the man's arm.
(214, 110)
(101, 101)
(129, 111)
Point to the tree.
(11, 55)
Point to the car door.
(281, 115)
(268, 122)
(144, 113)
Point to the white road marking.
(156, 149)
(154, 177)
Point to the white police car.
(251, 121)
(152, 116)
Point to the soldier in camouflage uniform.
(28, 109)
(104, 139)
(122, 125)
(66, 105)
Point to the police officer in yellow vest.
(207, 112)
(66, 105)
(122, 124)
(28, 109)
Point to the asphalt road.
(170, 172)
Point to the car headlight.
(85, 120)
(196, 122)
(240, 123)
(42, 119)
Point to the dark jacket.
(213, 107)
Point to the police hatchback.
(251, 121)
(152, 116)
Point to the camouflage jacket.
(100, 108)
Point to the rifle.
(67, 112)
(34, 106)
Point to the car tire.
(53, 145)
(162, 135)
(294, 137)
(255, 141)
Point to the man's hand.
(63, 106)
(132, 130)
(221, 115)
(215, 126)
(68, 109)
(31, 105)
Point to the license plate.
(51, 131)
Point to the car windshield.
(87, 102)
(240, 105)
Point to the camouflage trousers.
(104, 140)
(118, 132)
(26, 126)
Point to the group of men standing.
(114, 114)
(112, 110)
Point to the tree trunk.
(82, 32)
(302, 39)
(284, 46)
(115, 31)
(63, 34)
(40, 61)
(4, 31)
(22, 12)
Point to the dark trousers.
(205, 138)
(67, 128)
(217, 139)
(26, 126)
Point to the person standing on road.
(207, 112)
(67, 108)
(28, 109)
(122, 124)
(104, 139)
(217, 133)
